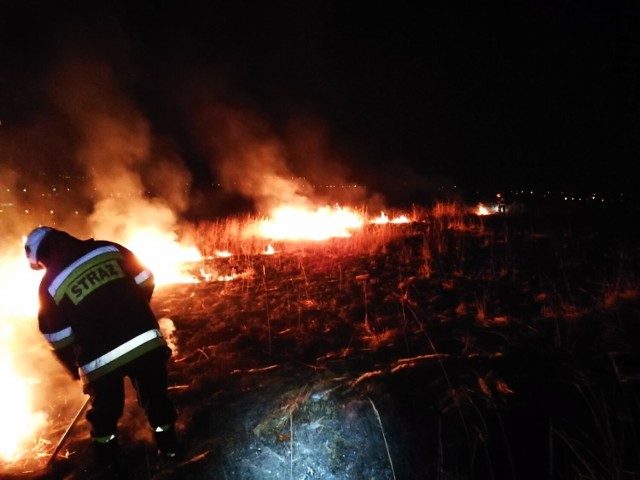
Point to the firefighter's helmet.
(34, 239)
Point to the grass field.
(454, 346)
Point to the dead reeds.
(492, 317)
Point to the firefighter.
(94, 312)
(502, 202)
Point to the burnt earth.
(499, 347)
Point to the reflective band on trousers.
(104, 440)
(118, 352)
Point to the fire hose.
(69, 428)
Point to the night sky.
(485, 95)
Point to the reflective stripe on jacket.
(94, 307)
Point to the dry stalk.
(304, 273)
(575, 449)
(266, 302)
(364, 278)
(403, 298)
(291, 445)
(550, 441)
(375, 410)
(440, 450)
(366, 310)
(444, 370)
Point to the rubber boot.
(106, 455)
(167, 443)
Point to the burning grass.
(451, 346)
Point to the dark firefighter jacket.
(94, 307)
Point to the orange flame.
(269, 250)
(482, 210)
(383, 219)
(168, 259)
(20, 422)
(161, 253)
(305, 224)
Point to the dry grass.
(493, 347)
(509, 295)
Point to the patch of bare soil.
(503, 347)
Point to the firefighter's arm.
(66, 356)
(62, 345)
(146, 283)
(141, 275)
(59, 336)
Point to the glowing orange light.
(21, 423)
(293, 223)
(401, 219)
(482, 210)
(18, 310)
(383, 219)
(380, 220)
(163, 255)
(269, 250)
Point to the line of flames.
(166, 257)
